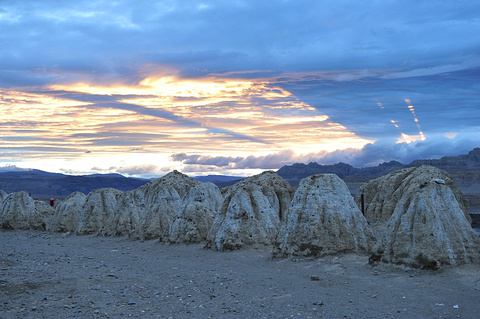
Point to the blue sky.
(235, 87)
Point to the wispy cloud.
(84, 81)
(371, 154)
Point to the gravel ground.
(45, 275)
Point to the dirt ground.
(45, 275)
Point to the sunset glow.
(234, 87)
(238, 117)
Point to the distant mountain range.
(465, 169)
(42, 185)
(219, 180)
(447, 163)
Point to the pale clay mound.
(2, 195)
(20, 211)
(381, 195)
(69, 214)
(426, 225)
(323, 220)
(418, 213)
(251, 212)
(174, 208)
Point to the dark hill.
(43, 185)
(219, 180)
(449, 163)
(471, 160)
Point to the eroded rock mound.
(251, 212)
(20, 211)
(382, 195)
(427, 226)
(323, 219)
(162, 198)
(99, 205)
(69, 214)
(2, 195)
(193, 222)
(145, 213)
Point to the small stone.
(34, 308)
(314, 278)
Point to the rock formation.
(323, 219)
(173, 208)
(69, 214)
(251, 212)
(162, 199)
(2, 195)
(426, 219)
(193, 222)
(129, 209)
(382, 195)
(20, 211)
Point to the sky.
(235, 87)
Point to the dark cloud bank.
(370, 155)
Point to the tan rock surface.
(2, 195)
(20, 211)
(145, 213)
(251, 212)
(193, 222)
(381, 195)
(323, 219)
(426, 225)
(69, 214)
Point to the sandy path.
(52, 276)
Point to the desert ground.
(45, 275)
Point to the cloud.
(111, 41)
(268, 64)
(12, 168)
(371, 154)
(145, 169)
(470, 63)
(263, 162)
(131, 170)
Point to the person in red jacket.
(52, 201)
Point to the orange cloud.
(166, 115)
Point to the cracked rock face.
(20, 211)
(322, 220)
(424, 218)
(251, 212)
